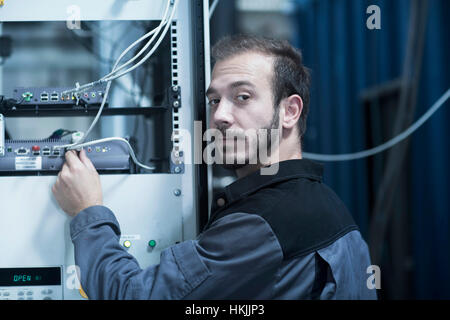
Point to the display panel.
(23, 277)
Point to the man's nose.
(223, 115)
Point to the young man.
(282, 234)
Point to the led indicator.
(127, 243)
(152, 243)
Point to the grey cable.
(388, 144)
(213, 8)
(130, 149)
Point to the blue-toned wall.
(345, 58)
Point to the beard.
(235, 157)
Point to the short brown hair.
(290, 75)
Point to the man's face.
(241, 103)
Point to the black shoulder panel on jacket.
(304, 214)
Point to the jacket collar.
(287, 170)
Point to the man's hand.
(78, 184)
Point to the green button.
(152, 243)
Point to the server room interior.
(368, 86)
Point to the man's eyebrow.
(238, 84)
(234, 85)
(211, 90)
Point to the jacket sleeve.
(210, 267)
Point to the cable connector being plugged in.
(76, 137)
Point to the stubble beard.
(234, 164)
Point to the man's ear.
(292, 109)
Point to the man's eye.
(213, 102)
(243, 97)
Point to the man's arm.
(232, 253)
(232, 259)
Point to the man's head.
(259, 83)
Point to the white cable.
(134, 67)
(166, 28)
(213, 8)
(108, 86)
(123, 73)
(130, 149)
(154, 32)
(115, 69)
(387, 144)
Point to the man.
(283, 235)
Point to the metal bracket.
(174, 97)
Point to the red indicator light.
(35, 148)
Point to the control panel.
(45, 155)
(42, 283)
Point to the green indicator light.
(9, 149)
(152, 243)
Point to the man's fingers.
(72, 159)
(86, 161)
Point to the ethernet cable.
(127, 71)
(164, 21)
(155, 31)
(150, 53)
(130, 149)
(108, 80)
(388, 144)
